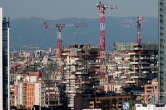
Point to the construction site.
(103, 77)
(137, 64)
(124, 70)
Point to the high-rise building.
(162, 50)
(1, 86)
(136, 64)
(80, 67)
(4, 62)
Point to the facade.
(162, 50)
(52, 94)
(32, 94)
(29, 93)
(20, 95)
(135, 64)
(97, 101)
(80, 70)
(4, 61)
(111, 102)
(151, 92)
(1, 75)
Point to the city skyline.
(81, 76)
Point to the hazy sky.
(56, 9)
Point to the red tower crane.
(59, 39)
(59, 30)
(139, 19)
(102, 7)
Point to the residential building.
(80, 70)
(100, 101)
(135, 64)
(28, 94)
(111, 102)
(30, 91)
(33, 94)
(52, 94)
(20, 101)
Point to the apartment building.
(136, 64)
(80, 70)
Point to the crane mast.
(101, 8)
(139, 19)
(59, 37)
(59, 40)
(59, 34)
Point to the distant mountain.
(27, 32)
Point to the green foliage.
(133, 102)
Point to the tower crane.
(101, 8)
(139, 19)
(59, 40)
(59, 31)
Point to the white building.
(149, 107)
(21, 94)
(21, 97)
(37, 93)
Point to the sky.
(58, 9)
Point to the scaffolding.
(134, 64)
(80, 70)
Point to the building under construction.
(80, 70)
(135, 64)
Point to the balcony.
(123, 77)
(145, 72)
(132, 72)
(78, 73)
(134, 77)
(134, 63)
(130, 82)
(132, 53)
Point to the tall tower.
(1, 75)
(162, 50)
(102, 8)
(4, 62)
(139, 40)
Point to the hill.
(27, 32)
